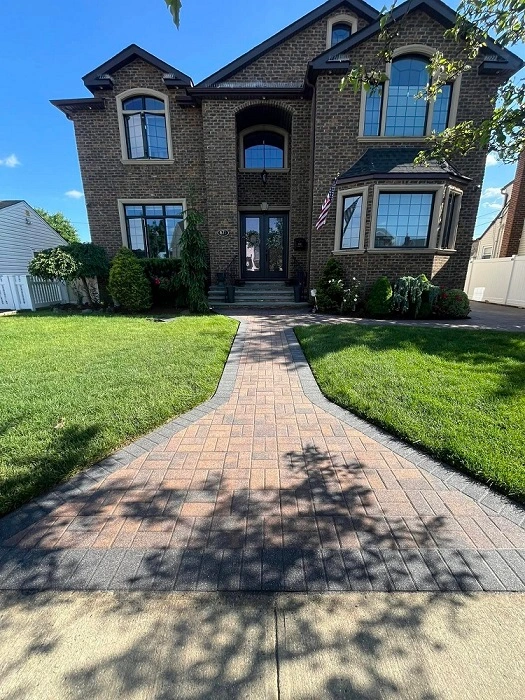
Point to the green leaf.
(174, 7)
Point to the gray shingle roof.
(9, 203)
(396, 163)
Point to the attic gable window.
(145, 130)
(340, 32)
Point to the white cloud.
(10, 162)
(74, 194)
(493, 205)
(492, 193)
(491, 160)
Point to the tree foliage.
(80, 262)
(504, 131)
(60, 224)
(194, 263)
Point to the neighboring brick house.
(256, 146)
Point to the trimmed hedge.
(379, 301)
(452, 303)
(127, 282)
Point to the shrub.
(452, 303)
(379, 301)
(128, 284)
(194, 263)
(69, 263)
(351, 297)
(330, 288)
(414, 297)
(165, 281)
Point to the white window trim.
(341, 194)
(263, 127)
(455, 220)
(483, 249)
(427, 52)
(350, 20)
(439, 191)
(122, 97)
(121, 203)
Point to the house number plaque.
(224, 233)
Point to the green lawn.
(75, 388)
(459, 394)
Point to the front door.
(264, 243)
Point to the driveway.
(268, 486)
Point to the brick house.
(256, 146)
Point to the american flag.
(323, 216)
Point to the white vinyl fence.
(21, 292)
(500, 281)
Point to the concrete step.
(259, 305)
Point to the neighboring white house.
(22, 233)
(488, 245)
(496, 271)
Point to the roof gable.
(100, 78)
(9, 203)
(358, 7)
(497, 58)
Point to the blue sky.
(47, 46)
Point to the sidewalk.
(422, 646)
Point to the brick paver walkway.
(267, 487)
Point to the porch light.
(264, 176)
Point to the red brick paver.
(269, 469)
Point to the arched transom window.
(394, 108)
(145, 127)
(263, 148)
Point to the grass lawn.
(75, 388)
(459, 394)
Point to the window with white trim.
(404, 219)
(486, 252)
(144, 118)
(339, 28)
(350, 219)
(393, 108)
(450, 219)
(154, 230)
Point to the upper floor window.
(145, 127)
(154, 230)
(340, 32)
(263, 148)
(339, 28)
(394, 109)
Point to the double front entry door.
(264, 245)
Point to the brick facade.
(514, 225)
(323, 140)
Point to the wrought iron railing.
(230, 271)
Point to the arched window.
(340, 32)
(263, 149)
(145, 127)
(393, 109)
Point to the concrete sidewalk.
(422, 646)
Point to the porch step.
(256, 294)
